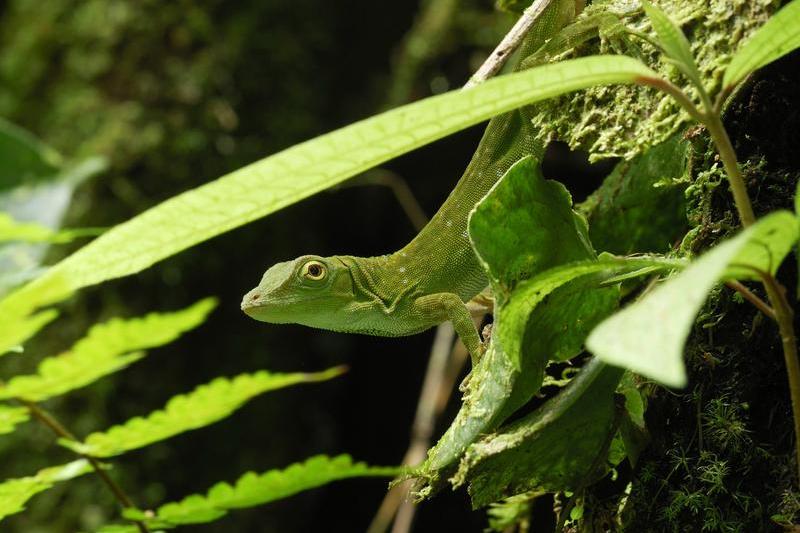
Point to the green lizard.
(429, 280)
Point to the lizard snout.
(251, 299)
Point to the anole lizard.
(429, 280)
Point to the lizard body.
(429, 280)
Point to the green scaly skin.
(429, 280)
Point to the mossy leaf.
(540, 452)
(14, 493)
(776, 38)
(205, 405)
(107, 348)
(640, 207)
(648, 336)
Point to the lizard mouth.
(251, 302)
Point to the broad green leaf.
(302, 170)
(18, 322)
(674, 42)
(489, 388)
(107, 348)
(538, 320)
(23, 158)
(35, 188)
(776, 38)
(496, 387)
(557, 447)
(12, 230)
(525, 225)
(640, 207)
(11, 416)
(14, 493)
(205, 405)
(257, 489)
(648, 336)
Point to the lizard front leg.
(443, 306)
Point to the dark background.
(176, 94)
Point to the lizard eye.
(314, 270)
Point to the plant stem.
(752, 298)
(775, 293)
(783, 313)
(509, 43)
(727, 154)
(50, 421)
(785, 318)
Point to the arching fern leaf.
(11, 416)
(205, 405)
(253, 489)
(107, 348)
(14, 493)
(18, 322)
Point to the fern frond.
(14, 493)
(18, 322)
(11, 417)
(205, 405)
(107, 348)
(257, 489)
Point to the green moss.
(620, 121)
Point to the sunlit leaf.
(557, 447)
(674, 42)
(12, 230)
(11, 416)
(14, 493)
(257, 489)
(302, 170)
(18, 322)
(107, 348)
(203, 406)
(648, 336)
(776, 38)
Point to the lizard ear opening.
(314, 270)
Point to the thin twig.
(50, 421)
(510, 42)
(748, 295)
(400, 189)
(428, 408)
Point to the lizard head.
(309, 291)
